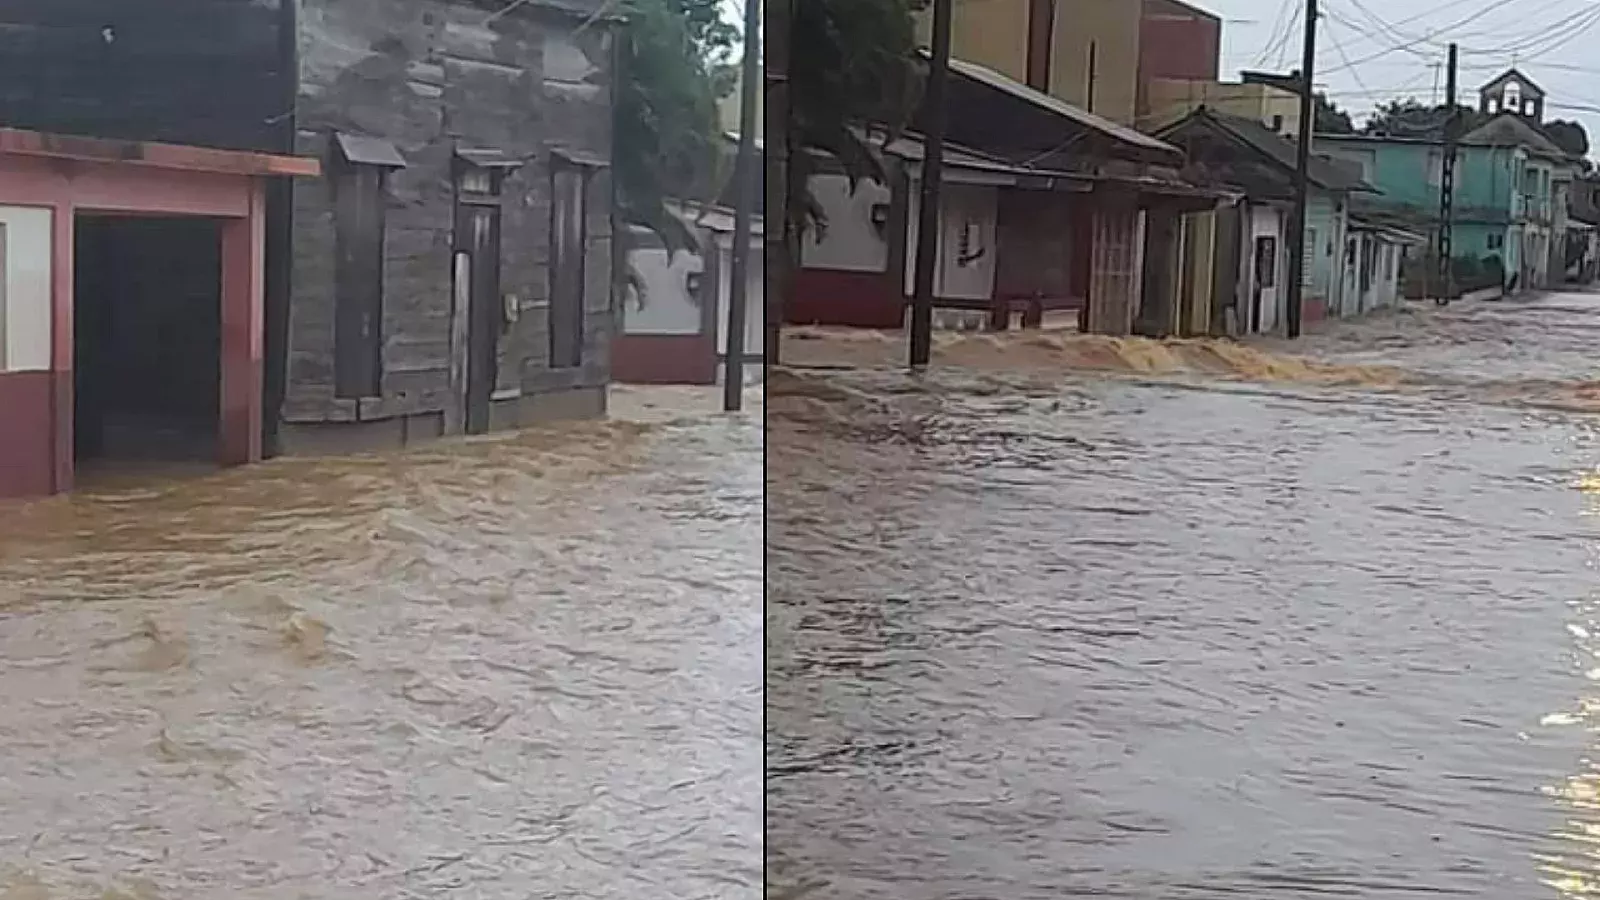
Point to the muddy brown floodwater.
(520, 667)
(1193, 620)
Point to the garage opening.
(147, 340)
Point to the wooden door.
(478, 287)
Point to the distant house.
(1512, 187)
(1044, 206)
(1246, 157)
(675, 317)
(452, 269)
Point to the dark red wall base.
(837, 297)
(664, 359)
(27, 437)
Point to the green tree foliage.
(677, 61)
(1569, 136)
(1327, 118)
(1410, 118)
(854, 84)
(1330, 119)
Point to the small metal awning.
(368, 151)
(1391, 233)
(489, 159)
(579, 158)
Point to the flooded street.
(1197, 621)
(525, 666)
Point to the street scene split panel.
(1182, 458)
(381, 449)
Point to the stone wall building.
(452, 269)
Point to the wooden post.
(779, 240)
(932, 174)
(745, 199)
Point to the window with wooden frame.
(569, 236)
(360, 172)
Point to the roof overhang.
(175, 157)
(1002, 117)
(1388, 232)
(963, 165)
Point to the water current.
(524, 666)
(1192, 620)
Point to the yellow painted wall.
(1200, 245)
(1170, 99)
(1113, 27)
(994, 33)
(991, 33)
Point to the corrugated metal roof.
(911, 148)
(1323, 172)
(1080, 117)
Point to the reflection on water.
(1035, 635)
(509, 667)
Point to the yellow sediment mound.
(1070, 351)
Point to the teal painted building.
(1503, 194)
(1511, 185)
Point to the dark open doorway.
(147, 328)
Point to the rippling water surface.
(1259, 628)
(519, 667)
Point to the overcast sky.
(1372, 50)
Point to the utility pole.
(932, 175)
(1302, 168)
(777, 227)
(1447, 182)
(745, 188)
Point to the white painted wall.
(665, 307)
(755, 296)
(1267, 222)
(964, 207)
(25, 298)
(851, 243)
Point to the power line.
(1282, 24)
(1430, 37)
(1339, 47)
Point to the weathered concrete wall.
(186, 71)
(430, 75)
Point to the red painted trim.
(30, 181)
(164, 156)
(26, 452)
(61, 281)
(164, 181)
(664, 359)
(243, 246)
(838, 297)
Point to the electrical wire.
(1432, 36)
(1282, 27)
(1333, 39)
